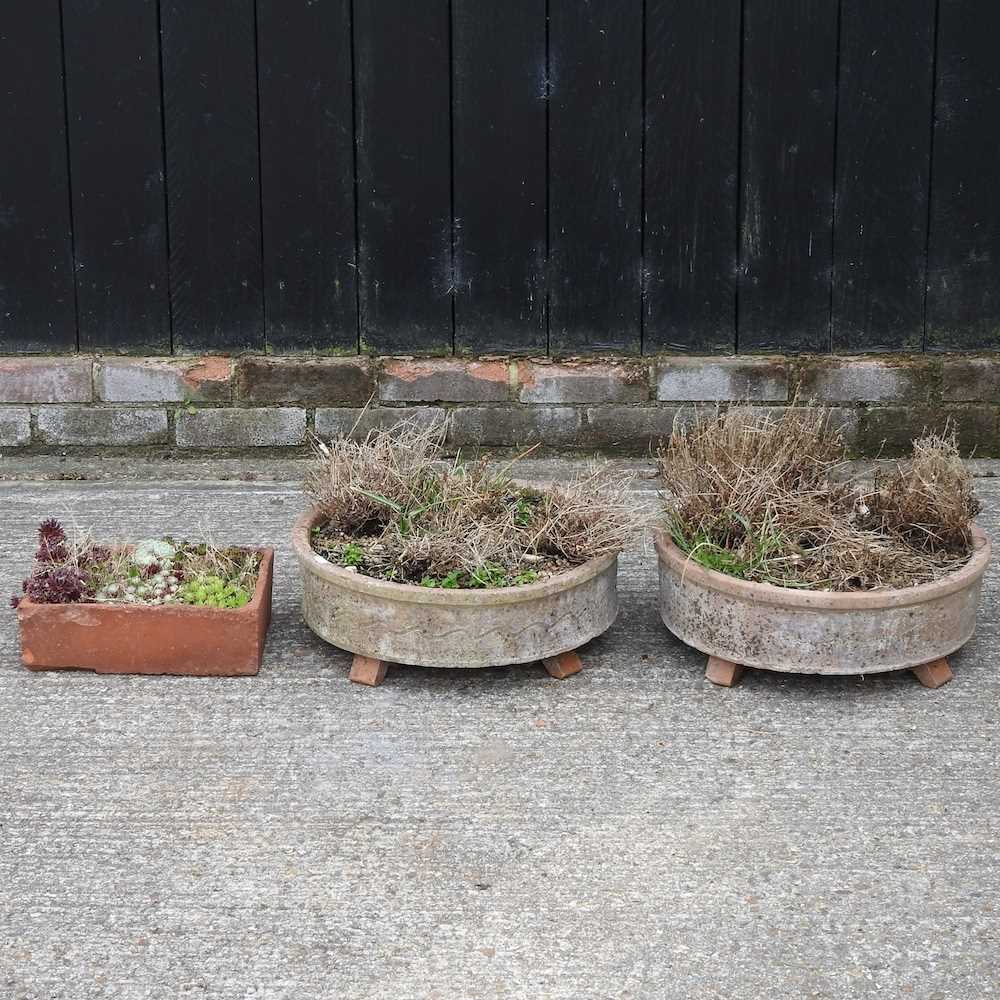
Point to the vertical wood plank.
(884, 108)
(116, 166)
(963, 301)
(595, 174)
(499, 175)
(403, 116)
(307, 174)
(37, 307)
(789, 97)
(210, 114)
(691, 168)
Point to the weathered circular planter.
(382, 622)
(742, 624)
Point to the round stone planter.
(382, 622)
(742, 624)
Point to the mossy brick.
(889, 431)
(971, 380)
(308, 381)
(15, 426)
(758, 380)
(631, 430)
(262, 427)
(846, 419)
(514, 426)
(447, 380)
(866, 381)
(46, 380)
(333, 422)
(583, 382)
(99, 425)
(163, 380)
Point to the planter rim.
(250, 608)
(824, 600)
(313, 562)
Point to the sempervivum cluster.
(51, 542)
(153, 578)
(53, 579)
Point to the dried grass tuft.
(929, 500)
(759, 496)
(394, 510)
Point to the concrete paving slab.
(631, 832)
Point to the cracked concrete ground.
(632, 832)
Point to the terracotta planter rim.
(260, 586)
(682, 565)
(411, 592)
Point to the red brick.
(449, 380)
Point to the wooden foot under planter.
(382, 622)
(742, 624)
(149, 639)
(371, 672)
(724, 673)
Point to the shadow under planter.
(150, 639)
(383, 622)
(739, 623)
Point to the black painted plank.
(37, 308)
(963, 302)
(499, 155)
(403, 108)
(789, 96)
(210, 115)
(595, 174)
(691, 169)
(116, 166)
(884, 109)
(307, 175)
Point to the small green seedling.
(352, 555)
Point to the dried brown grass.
(929, 500)
(761, 497)
(396, 511)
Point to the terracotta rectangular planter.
(150, 639)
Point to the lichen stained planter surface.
(143, 639)
(403, 623)
(818, 632)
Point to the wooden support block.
(365, 670)
(934, 674)
(723, 672)
(562, 666)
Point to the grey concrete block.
(163, 380)
(112, 426)
(631, 429)
(268, 427)
(15, 426)
(889, 431)
(971, 379)
(334, 422)
(46, 380)
(852, 381)
(517, 426)
(845, 419)
(757, 380)
(587, 382)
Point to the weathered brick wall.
(199, 404)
